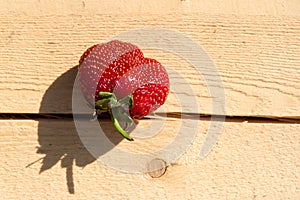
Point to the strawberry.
(102, 64)
(115, 76)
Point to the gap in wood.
(169, 115)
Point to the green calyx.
(118, 110)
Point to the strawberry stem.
(116, 109)
(119, 128)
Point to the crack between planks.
(159, 116)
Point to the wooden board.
(256, 48)
(257, 57)
(238, 7)
(249, 161)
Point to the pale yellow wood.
(256, 47)
(257, 57)
(250, 161)
(240, 7)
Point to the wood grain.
(257, 58)
(250, 161)
(256, 48)
(238, 7)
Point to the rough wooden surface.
(257, 57)
(254, 44)
(238, 7)
(250, 161)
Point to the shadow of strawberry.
(57, 137)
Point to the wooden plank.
(239, 7)
(257, 58)
(250, 161)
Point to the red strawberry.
(102, 64)
(116, 73)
